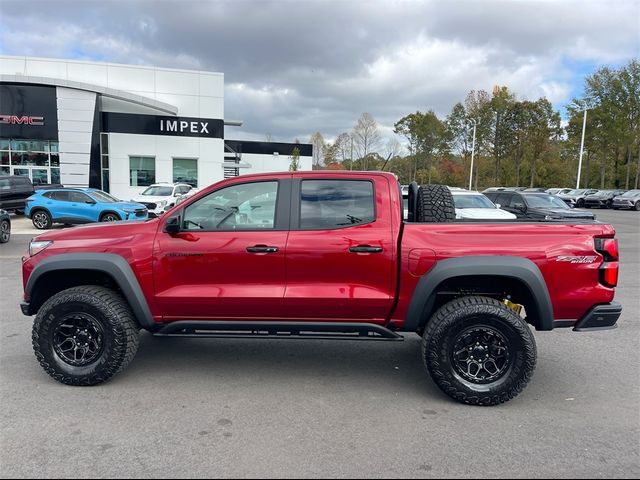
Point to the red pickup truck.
(321, 255)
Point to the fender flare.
(38, 207)
(522, 269)
(109, 263)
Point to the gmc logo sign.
(23, 120)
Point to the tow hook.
(516, 307)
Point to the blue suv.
(79, 205)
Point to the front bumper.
(600, 317)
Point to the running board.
(296, 330)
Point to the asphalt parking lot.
(290, 408)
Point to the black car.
(537, 206)
(5, 226)
(602, 199)
(630, 199)
(14, 191)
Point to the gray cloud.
(292, 68)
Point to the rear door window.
(330, 204)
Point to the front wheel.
(109, 217)
(478, 351)
(84, 335)
(580, 203)
(637, 206)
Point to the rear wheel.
(435, 204)
(637, 206)
(41, 220)
(5, 231)
(478, 351)
(84, 335)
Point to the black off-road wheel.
(478, 351)
(85, 335)
(41, 220)
(435, 204)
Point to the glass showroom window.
(185, 170)
(37, 159)
(142, 171)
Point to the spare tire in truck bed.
(435, 204)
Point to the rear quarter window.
(331, 204)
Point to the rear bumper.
(600, 317)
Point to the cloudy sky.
(295, 67)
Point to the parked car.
(79, 205)
(602, 198)
(558, 191)
(575, 198)
(537, 206)
(475, 205)
(159, 196)
(14, 191)
(494, 189)
(334, 261)
(630, 199)
(535, 189)
(5, 226)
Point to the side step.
(297, 330)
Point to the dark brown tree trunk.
(603, 168)
(588, 170)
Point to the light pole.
(473, 151)
(584, 127)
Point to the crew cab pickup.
(321, 255)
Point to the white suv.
(159, 196)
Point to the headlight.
(129, 210)
(36, 247)
(162, 203)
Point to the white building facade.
(121, 128)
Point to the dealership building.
(121, 128)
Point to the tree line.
(517, 142)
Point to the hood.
(484, 214)
(563, 213)
(151, 198)
(100, 231)
(128, 205)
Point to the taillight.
(609, 274)
(608, 248)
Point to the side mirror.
(521, 206)
(498, 205)
(172, 226)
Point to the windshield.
(103, 197)
(472, 201)
(631, 193)
(158, 191)
(545, 201)
(575, 193)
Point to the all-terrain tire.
(103, 308)
(435, 204)
(442, 337)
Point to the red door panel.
(325, 278)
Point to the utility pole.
(584, 127)
(473, 151)
(351, 136)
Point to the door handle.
(365, 249)
(262, 249)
